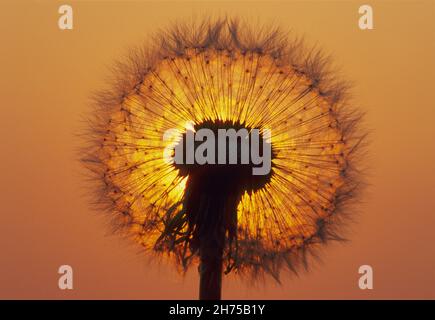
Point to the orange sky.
(47, 76)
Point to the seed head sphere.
(221, 74)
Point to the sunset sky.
(46, 79)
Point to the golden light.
(220, 71)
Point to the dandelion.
(219, 75)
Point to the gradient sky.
(47, 76)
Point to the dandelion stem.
(211, 199)
(211, 237)
(210, 269)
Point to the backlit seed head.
(223, 71)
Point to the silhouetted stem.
(211, 201)
(210, 269)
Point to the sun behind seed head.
(223, 71)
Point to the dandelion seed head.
(223, 71)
